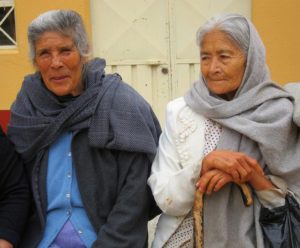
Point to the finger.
(204, 166)
(228, 166)
(245, 170)
(255, 165)
(204, 180)
(222, 182)
(213, 181)
(242, 173)
(245, 164)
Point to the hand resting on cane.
(222, 167)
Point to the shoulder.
(185, 127)
(125, 96)
(180, 115)
(175, 108)
(294, 90)
(176, 105)
(32, 80)
(275, 109)
(127, 100)
(129, 118)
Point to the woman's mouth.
(58, 78)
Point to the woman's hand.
(236, 164)
(5, 244)
(260, 182)
(222, 167)
(213, 181)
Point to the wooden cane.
(197, 215)
(198, 212)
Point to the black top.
(14, 193)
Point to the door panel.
(152, 44)
(133, 37)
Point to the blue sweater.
(64, 201)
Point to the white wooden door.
(151, 43)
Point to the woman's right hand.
(236, 164)
(213, 181)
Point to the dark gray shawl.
(115, 114)
(258, 122)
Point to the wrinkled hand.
(213, 181)
(236, 164)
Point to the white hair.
(234, 25)
(66, 22)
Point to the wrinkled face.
(60, 64)
(222, 64)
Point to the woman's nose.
(56, 61)
(214, 65)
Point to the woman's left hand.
(260, 182)
(213, 180)
(239, 165)
(220, 167)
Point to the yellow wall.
(278, 23)
(14, 64)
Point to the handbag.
(281, 225)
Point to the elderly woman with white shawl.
(233, 125)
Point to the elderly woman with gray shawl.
(234, 125)
(88, 141)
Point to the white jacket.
(177, 166)
(180, 153)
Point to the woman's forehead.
(218, 41)
(53, 38)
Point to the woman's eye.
(66, 51)
(225, 57)
(43, 54)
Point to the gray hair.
(234, 25)
(66, 22)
